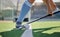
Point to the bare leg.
(31, 1)
(48, 6)
(52, 5)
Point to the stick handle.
(41, 18)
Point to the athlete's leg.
(48, 6)
(53, 6)
(25, 8)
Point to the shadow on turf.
(12, 33)
(38, 32)
(18, 33)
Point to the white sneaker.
(18, 27)
(56, 10)
(26, 26)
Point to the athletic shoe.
(19, 26)
(56, 10)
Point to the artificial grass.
(7, 29)
(46, 29)
(39, 29)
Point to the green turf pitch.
(46, 29)
(7, 29)
(40, 29)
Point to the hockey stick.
(41, 18)
(26, 26)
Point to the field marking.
(28, 32)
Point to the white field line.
(28, 32)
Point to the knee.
(31, 1)
(45, 0)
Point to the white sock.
(57, 9)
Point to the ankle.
(50, 13)
(18, 23)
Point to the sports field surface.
(39, 29)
